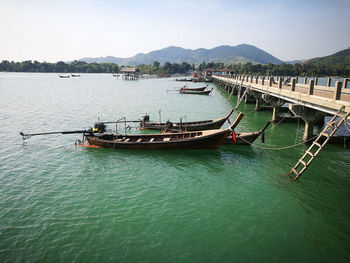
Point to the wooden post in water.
(311, 87)
(337, 90)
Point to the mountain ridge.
(227, 54)
(340, 58)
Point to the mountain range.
(227, 54)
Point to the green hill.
(341, 58)
(227, 54)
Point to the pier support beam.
(309, 116)
(276, 104)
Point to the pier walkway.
(322, 98)
(309, 101)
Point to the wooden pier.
(308, 100)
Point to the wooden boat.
(184, 126)
(245, 138)
(204, 92)
(75, 75)
(209, 139)
(64, 76)
(184, 79)
(194, 89)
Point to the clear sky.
(49, 30)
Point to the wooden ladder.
(317, 145)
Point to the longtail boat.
(184, 126)
(209, 139)
(204, 92)
(64, 76)
(96, 137)
(246, 138)
(194, 89)
(75, 75)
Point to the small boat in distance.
(184, 79)
(204, 92)
(64, 76)
(75, 75)
(184, 126)
(185, 88)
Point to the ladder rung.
(317, 144)
(325, 134)
(295, 171)
(310, 153)
(303, 162)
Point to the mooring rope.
(280, 148)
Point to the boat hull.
(169, 141)
(205, 92)
(242, 138)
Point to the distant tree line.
(299, 69)
(167, 68)
(60, 67)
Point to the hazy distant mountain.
(226, 54)
(341, 58)
(294, 61)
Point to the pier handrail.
(309, 93)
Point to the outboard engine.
(99, 127)
(145, 118)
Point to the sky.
(65, 30)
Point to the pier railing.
(310, 93)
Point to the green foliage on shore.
(341, 58)
(303, 69)
(60, 67)
(167, 68)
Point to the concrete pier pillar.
(275, 114)
(258, 103)
(309, 116)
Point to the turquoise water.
(61, 203)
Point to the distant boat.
(64, 76)
(194, 89)
(75, 75)
(184, 79)
(204, 92)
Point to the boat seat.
(127, 140)
(118, 140)
(166, 139)
(151, 140)
(139, 140)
